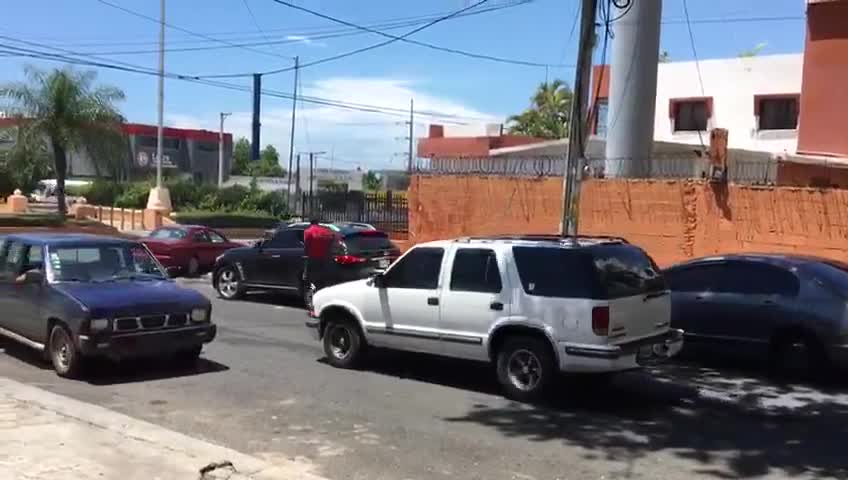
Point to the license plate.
(383, 263)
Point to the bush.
(227, 219)
(100, 192)
(31, 220)
(134, 196)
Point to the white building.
(757, 99)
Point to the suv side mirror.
(31, 277)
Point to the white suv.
(532, 305)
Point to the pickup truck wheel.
(343, 344)
(67, 361)
(229, 283)
(525, 368)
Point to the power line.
(185, 30)
(367, 48)
(251, 35)
(695, 56)
(255, 22)
(129, 68)
(403, 38)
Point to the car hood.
(134, 298)
(346, 292)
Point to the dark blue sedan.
(79, 296)
(791, 310)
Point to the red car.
(189, 249)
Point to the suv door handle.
(432, 301)
(498, 306)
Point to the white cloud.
(305, 40)
(355, 138)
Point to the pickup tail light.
(600, 321)
(349, 259)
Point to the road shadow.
(274, 298)
(729, 425)
(103, 372)
(444, 371)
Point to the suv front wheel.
(525, 368)
(343, 344)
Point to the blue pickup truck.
(77, 297)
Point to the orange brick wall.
(672, 220)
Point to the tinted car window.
(12, 256)
(757, 279)
(169, 234)
(364, 242)
(216, 237)
(420, 269)
(475, 270)
(625, 271)
(201, 237)
(288, 238)
(832, 275)
(695, 278)
(556, 272)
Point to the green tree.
(753, 52)
(62, 111)
(371, 181)
(241, 157)
(24, 164)
(664, 57)
(268, 164)
(549, 112)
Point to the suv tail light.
(600, 321)
(349, 259)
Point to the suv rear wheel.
(525, 368)
(343, 344)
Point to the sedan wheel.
(229, 285)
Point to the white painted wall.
(732, 83)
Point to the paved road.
(263, 389)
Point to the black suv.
(276, 262)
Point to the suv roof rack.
(546, 237)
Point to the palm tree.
(62, 110)
(549, 112)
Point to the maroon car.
(189, 249)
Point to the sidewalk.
(44, 436)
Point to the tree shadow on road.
(730, 425)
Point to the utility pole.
(257, 125)
(312, 159)
(159, 198)
(297, 197)
(221, 150)
(411, 133)
(577, 129)
(633, 88)
(293, 118)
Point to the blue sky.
(480, 90)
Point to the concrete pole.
(411, 134)
(576, 127)
(161, 96)
(633, 89)
(221, 150)
(293, 120)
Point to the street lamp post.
(221, 150)
(159, 198)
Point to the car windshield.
(103, 263)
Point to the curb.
(247, 466)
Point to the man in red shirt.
(317, 242)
